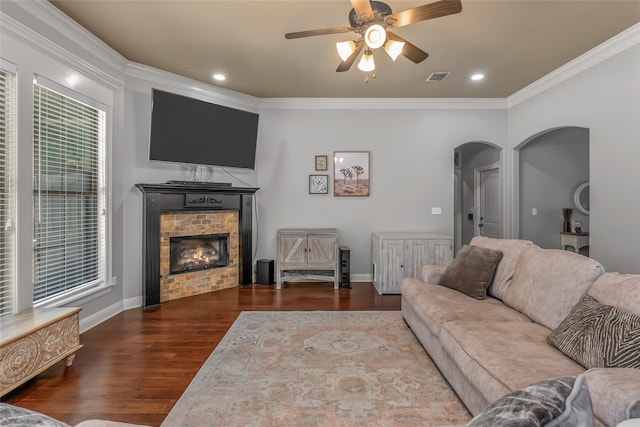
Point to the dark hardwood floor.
(135, 366)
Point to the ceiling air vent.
(438, 76)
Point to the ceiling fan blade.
(409, 51)
(362, 7)
(321, 32)
(422, 13)
(345, 65)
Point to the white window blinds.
(68, 194)
(7, 191)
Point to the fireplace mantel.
(184, 197)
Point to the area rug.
(318, 368)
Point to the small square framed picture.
(321, 163)
(318, 184)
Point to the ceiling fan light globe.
(346, 49)
(375, 36)
(366, 63)
(393, 48)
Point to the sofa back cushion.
(547, 283)
(621, 291)
(511, 250)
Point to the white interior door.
(488, 201)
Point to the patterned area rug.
(362, 368)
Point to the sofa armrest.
(615, 394)
(431, 274)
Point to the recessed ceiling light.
(477, 76)
(220, 77)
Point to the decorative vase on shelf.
(566, 223)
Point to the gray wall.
(411, 170)
(603, 98)
(552, 166)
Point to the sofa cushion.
(615, 394)
(618, 290)
(500, 357)
(547, 283)
(437, 305)
(511, 250)
(599, 336)
(563, 401)
(471, 271)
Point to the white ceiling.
(514, 42)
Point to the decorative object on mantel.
(351, 176)
(318, 184)
(371, 20)
(566, 217)
(321, 163)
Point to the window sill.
(77, 296)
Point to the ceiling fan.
(371, 20)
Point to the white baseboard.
(360, 277)
(96, 318)
(129, 303)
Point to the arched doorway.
(478, 192)
(550, 167)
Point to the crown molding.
(622, 41)
(190, 87)
(384, 103)
(47, 30)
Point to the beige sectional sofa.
(489, 347)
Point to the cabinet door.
(322, 250)
(440, 251)
(417, 254)
(293, 250)
(392, 263)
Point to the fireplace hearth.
(194, 253)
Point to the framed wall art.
(318, 184)
(351, 175)
(321, 163)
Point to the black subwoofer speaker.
(345, 267)
(264, 272)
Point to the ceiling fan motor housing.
(380, 11)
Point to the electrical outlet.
(114, 280)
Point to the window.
(7, 191)
(68, 194)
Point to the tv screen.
(187, 130)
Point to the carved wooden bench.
(34, 340)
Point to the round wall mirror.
(581, 198)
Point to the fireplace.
(194, 253)
(175, 210)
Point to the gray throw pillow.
(599, 336)
(472, 270)
(558, 402)
(16, 416)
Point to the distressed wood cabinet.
(399, 255)
(307, 254)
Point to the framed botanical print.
(321, 163)
(351, 175)
(318, 184)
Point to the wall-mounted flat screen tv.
(188, 130)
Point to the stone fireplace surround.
(198, 198)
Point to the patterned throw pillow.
(558, 402)
(599, 336)
(472, 270)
